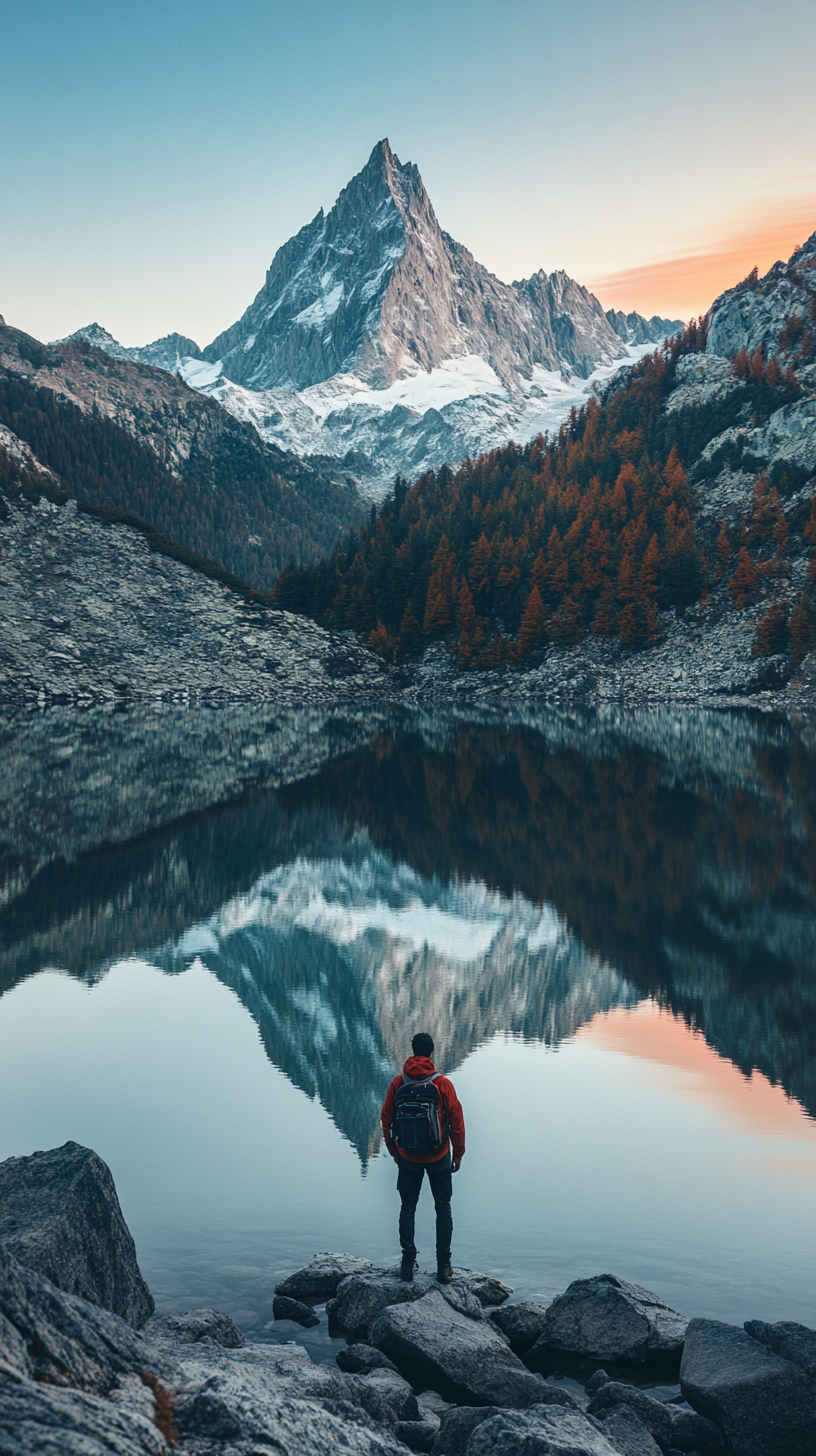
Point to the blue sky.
(153, 156)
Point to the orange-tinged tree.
(532, 622)
(745, 581)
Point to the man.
(424, 1130)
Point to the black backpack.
(419, 1124)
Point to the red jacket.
(420, 1068)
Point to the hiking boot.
(408, 1268)
(444, 1273)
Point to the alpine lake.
(219, 929)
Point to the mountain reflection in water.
(478, 879)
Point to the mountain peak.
(374, 288)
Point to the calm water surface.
(608, 925)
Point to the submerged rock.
(465, 1359)
(319, 1280)
(59, 1215)
(765, 1404)
(284, 1308)
(608, 1320)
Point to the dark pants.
(409, 1183)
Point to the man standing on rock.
(424, 1130)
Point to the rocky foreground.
(85, 1368)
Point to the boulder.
(48, 1335)
(671, 1425)
(361, 1297)
(793, 1342)
(542, 1432)
(59, 1422)
(194, 1326)
(418, 1435)
(319, 1280)
(284, 1308)
(466, 1360)
(484, 1287)
(765, 1404)
(628, 1434)
(231, 1409)
(596, 1380)
(59, 1215)
(385, 1396)
(522, 1323)
(609, 1321)
(359, 1359)
(457, 1426)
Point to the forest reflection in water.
(566, 868)
(638, 893)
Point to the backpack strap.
(421, 1081)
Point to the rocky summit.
(380, 340)
(433, 1374)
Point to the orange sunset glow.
(686, 284)
(752, 1103)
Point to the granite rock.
(546, 1431)
(464, 1359)
(418, 1435)
(606, 1319)
(671, 1425)
(790, 1340)
(59, 1215)
(50, 1421)
(360, 1359)
(628, 1434)
(766, 1405)
(321, 1278)
(194, 1326)
(52, 1336)
(457, 1426)
(522, 1323)
(361, 1297)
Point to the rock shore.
(435, 1371)
(92, 615)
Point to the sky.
(153, 156)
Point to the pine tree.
(802, 630)
(532, 622)
(771, 632)
(410, 636)
(745, 581)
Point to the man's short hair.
(422, 1044)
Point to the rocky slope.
(113, 430)
(376, 336)
(91, 613)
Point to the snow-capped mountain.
(378, 338)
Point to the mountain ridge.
(379, 339)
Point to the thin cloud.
(687, 284)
